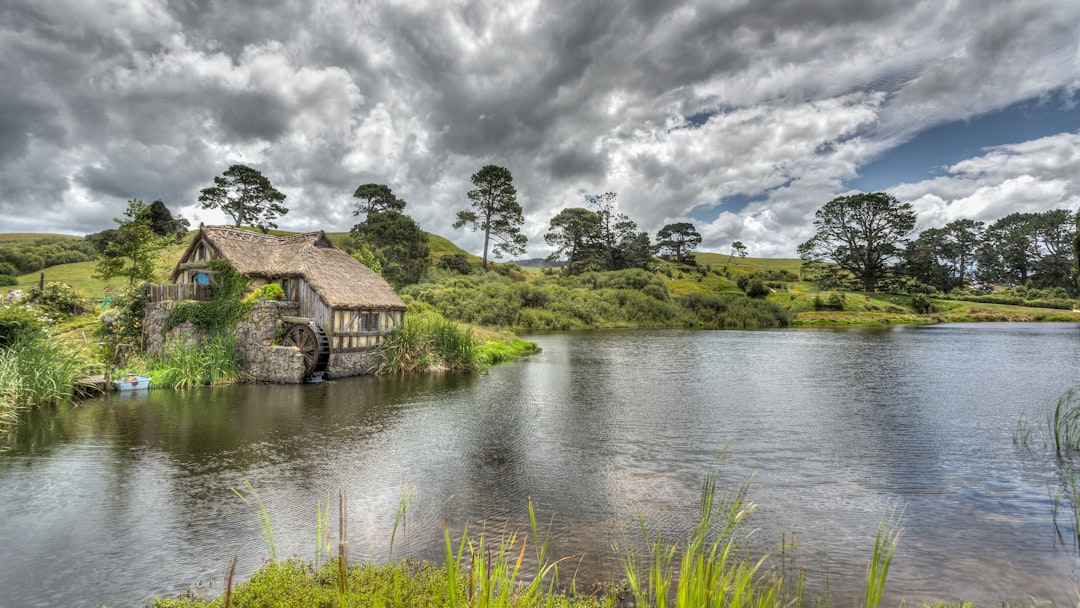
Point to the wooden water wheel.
(313, 344)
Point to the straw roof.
(337, 277)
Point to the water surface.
(120, 499)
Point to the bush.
(18, 322)
(60, 298)
(456, 262)
(7, 279)
(756, 288)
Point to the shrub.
(59, 298)
(456, 262)
(270, 291)
(7, 279)
(756, 288)
(18, 322)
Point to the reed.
(877, 570)
(36, 372)
(427, 340)
(264, 517)
(1065, 422)
(185, 362)
(714, 567)
(485, 574)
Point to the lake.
(119, 499)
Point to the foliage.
(60, 299)
(376, 198)
(677, 239)
(270, 291)
(121, 326)
(19, 322)
(756, 288)
(224, 309)
(495, 211)
(362, 253)
(163, 224)
(398, 243)
(427, 340)
(618, 241)
(133, 254)
(860, 233)
(36, 371)
(186, 362)
(575, 233)
(7, 279)
(455, 262)
(23, 256)
(247, 196)
(727, 311)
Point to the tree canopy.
(373, 198)
(495, 211)
(163, 223)
(398, 243)
(861, 233)
(247, 196)
(133, 254)
(574, 233)
(677, 239)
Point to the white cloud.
(153, 99)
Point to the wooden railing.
(179, 291)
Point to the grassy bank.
(715, 564)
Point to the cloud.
(745, 116)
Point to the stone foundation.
(257, 335)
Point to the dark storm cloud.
(153, 98)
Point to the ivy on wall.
(225, 308)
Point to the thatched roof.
(339, 279)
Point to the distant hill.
(23, 237)
(539, 263)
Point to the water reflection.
(129, 496)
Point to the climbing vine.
(224, 309)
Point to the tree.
(495, 211)
(399, 244)
(737, 248)
(574, 232)
(374, 198)
(132, 256)
(163, 223)
(861, 233)
(615, 229)
(247, 196)
(677, 238)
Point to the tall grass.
(36, 372)
(877, 570)
(428, 340)
(713, 567)
(481, 573)
(1065, 422)
(264, 517)
(186, 362)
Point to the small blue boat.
(131, 382)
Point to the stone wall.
(257, 334)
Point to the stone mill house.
(335, 311)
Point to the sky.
(743, 117)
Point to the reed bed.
(186, 362)
(37, 372)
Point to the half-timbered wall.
(354, 329)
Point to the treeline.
(26, 256)
(870, 240)
(1021, 249)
